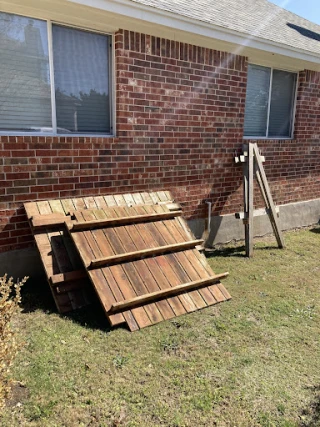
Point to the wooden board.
(144, 291)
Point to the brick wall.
(180, 111)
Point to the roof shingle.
(259, 18)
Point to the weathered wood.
(107, 222)
(131, 256)
(49, 220)
(69, 276)
(154, 296)
(31, 209)
(265, 187)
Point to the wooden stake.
(266, 193)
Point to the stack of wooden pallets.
(134, 250)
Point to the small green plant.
(119, 361)
(10, 298)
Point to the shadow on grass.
(37, 296)
(315, 230)
(226, 252)
(235, 252)
(311, 416)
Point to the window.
(53, 79)
(269, 103)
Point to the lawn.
(253, 361)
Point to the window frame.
(294, 107)
(111, 73)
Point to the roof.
(258, 18)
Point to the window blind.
(81, 76)
(256, 110)
(282, 100)
(25, 98)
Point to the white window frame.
(294, 107)
(111, 74)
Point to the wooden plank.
(153, 296)
(49, 220)
(156, 267)
(44, 207)
(100, 202)
(131, 241)
(31, 209)
(120, 201)
(124, 284)
(187, 262)
(90, 202)
(123, 220)
(138, 200)
(162, 196)
(133, 276)
(214, 289)
(170, 235)
(128, 316)
(167, 269)
(83, 248)
(107, 246)
(249, 242)
(65, 287)
(71, 250)
(112, 290)
(169, 196)
(56, 206)
(110, 201)
(57, 279)
(129, 199)
(155, 198)
(273, 215)
(147, 200)
(105, 294)
(60, 253)
(78, 203)
(44, 247)
(131, 256)
(67, 205)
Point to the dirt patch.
(18, 394)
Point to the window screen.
(81, 77)
(282, 99)
(257, 98)
(25, 98)
(269, 102)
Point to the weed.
(10, 298)
(119, 361)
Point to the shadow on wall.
(305, 32)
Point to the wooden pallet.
(68, 280)
(144, 264)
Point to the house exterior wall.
(179, 122)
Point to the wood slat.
(131, 256)
(67, 205)
(44, 207)
(31, 209)
(69, 276)
(49, 220)
(56, 206)
(153, 296)
(139, 316)
(85, 225)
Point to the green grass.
(253, 361)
